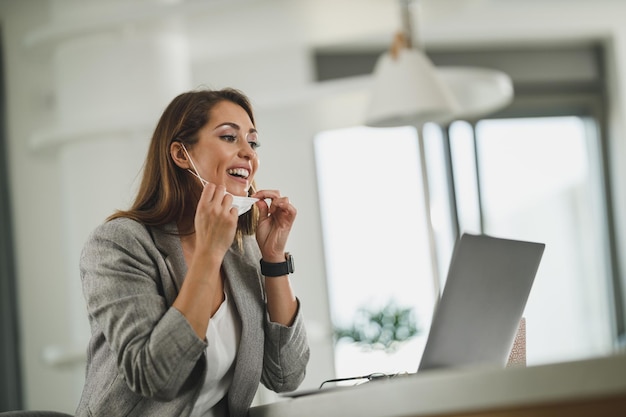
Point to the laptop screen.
(488, 283)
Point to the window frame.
(548, 80)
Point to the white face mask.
(242, 204)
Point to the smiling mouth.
(238, 172)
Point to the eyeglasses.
(366, 378)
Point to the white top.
(222, 336)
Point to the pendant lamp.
(408, 90)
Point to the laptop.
(481, 305)
(477, 317)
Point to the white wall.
(262, 49)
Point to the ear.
(179, 156)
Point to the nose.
(247, 151)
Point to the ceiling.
(233, 26)
(219, 31)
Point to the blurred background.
(379, 209)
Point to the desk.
(589, 388)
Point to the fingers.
(263, 194)
(280, 210)
(215, 199)
(278, 202)
(215, 221)
(284, 206)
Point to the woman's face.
(225, 152)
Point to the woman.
(190, 305)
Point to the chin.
(238, 188)
(238, 191)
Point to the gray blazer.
(144, 359)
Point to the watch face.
(290, 264)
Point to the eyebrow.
(234, 126)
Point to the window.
(375, 236)
(535, 179)
(393, 202)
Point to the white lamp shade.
(408, 91)
(478, 91)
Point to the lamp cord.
(408, 9)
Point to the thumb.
(263, 208)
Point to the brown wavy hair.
(167, 192)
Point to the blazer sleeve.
(155, 347)
(286, 354)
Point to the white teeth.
(240, 172)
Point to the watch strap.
(270, 269)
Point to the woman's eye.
(229, 138)
(254, 144)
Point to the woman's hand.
(215, 222)
(275, 223)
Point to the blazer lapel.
(246, 289)
(167, 240)
(248, 295)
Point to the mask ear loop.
(251, 189)
(195, 170)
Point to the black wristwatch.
(278, 269)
